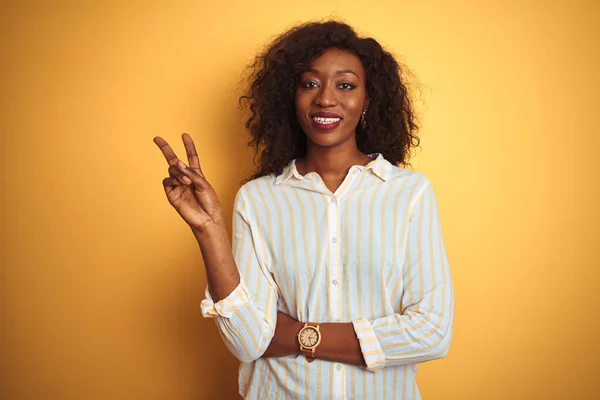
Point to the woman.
(338, 284)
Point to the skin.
(324, 87)
(197, 203)
(329, 154)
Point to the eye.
(346, 86)
(309, 84)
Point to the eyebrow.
(338, 72)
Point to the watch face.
(309, 337)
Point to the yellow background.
(101, 281)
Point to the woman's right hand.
(187, 190)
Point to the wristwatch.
(309, 338)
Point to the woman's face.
(330, 98)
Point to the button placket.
(339, 382)
(335, 287)
(333, 257)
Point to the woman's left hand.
(285, 340)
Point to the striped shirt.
(371, 254)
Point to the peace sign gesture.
(186, 188)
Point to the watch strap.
(309, 354)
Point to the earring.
(363, 122)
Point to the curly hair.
(277, 137)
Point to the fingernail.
(181, 164)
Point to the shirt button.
(333, 199)
(334, 240)
(334, 281)
(338, 367)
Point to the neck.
(331, 162)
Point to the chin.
(325, 140)
(329, 139)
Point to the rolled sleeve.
(229, 305)
(369, 345)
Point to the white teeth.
(326, 120)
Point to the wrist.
(297, 328)
(209, 229)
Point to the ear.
(366, 105)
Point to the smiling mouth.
(326, 124)
(325, 121)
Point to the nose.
(326, 97)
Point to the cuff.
(228, 306)
(369, 345)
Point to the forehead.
(335, 60)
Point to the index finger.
(192, 154)
(166, 150)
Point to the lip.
(324, 114)
(325, 127)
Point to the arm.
(422, 329)
(245, 317)
(221, 272)
(420, 332)
(245, 321)
(338, 341)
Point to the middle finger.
(192, 154)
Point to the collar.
(379, 166)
